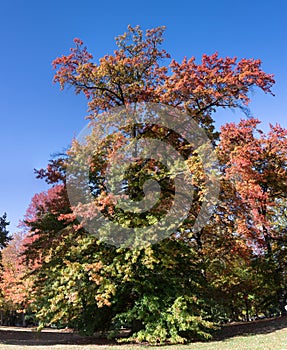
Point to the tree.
(4, 239)
(4, 233)
(256, 163)
(14, 284)
(164, 291)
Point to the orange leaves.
(129, 75)
(69, 65)
(256, 164)
(216, 82)
(136, 72)
(14, 288)
(93, 270)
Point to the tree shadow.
(263, 326)
(28, 336)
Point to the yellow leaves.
(149, 259)
(103, 297)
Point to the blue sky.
(37, 120)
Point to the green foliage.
(4, 233)
(169, 320)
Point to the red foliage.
(133, 74)
(256, 163)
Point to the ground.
(258, 335)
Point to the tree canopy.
(181, 287)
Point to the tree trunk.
(277, 277)
(282, 301)
(23, 319)
(246, 308)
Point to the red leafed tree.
(216, 82)
(41, 219)
(256, 164)
(41, 233)
(14, 284)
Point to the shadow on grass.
(27, 336)
(264, 326)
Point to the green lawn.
(276, 340)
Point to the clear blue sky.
(38, 120)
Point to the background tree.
(14, 284)
(256, 164)
(4, 233)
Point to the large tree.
(166, 291)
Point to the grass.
(262, 336)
